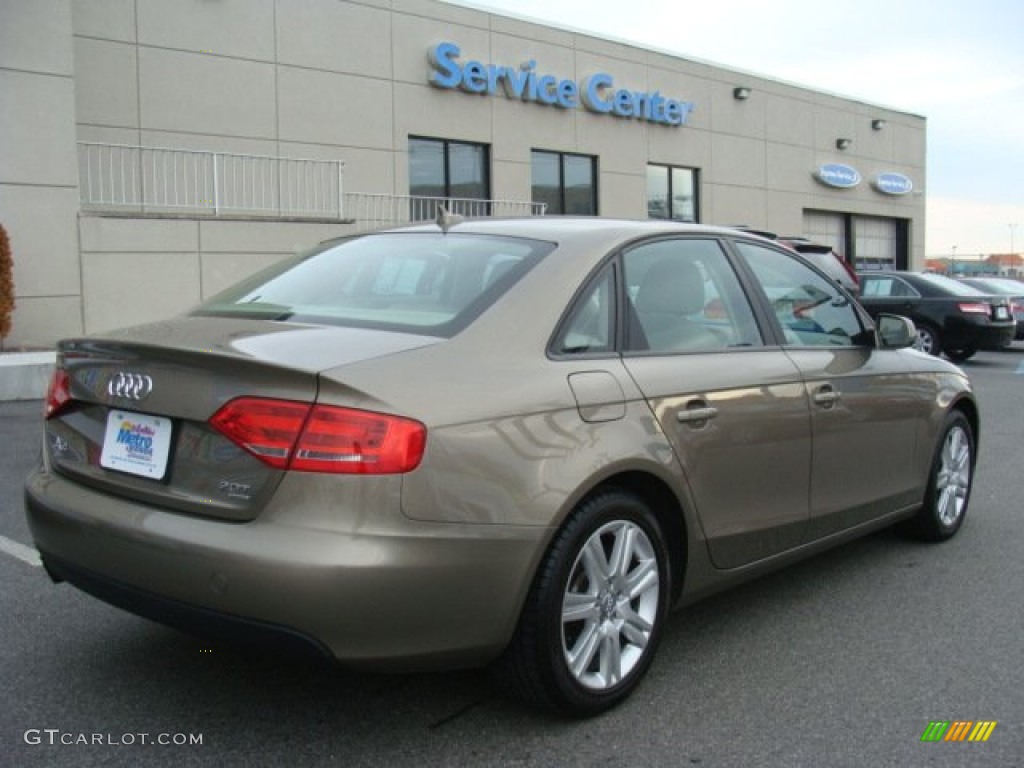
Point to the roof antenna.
(446, 220)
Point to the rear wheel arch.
(665, 505)
(564, 659)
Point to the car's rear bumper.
(402, 594)
(994, 337)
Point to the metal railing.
(160, 180)
(371, 210)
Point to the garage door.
(876, 242)
(827, 228)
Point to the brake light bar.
(975, 308)
(322, 438)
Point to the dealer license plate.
(136, 443)
(1002, 313)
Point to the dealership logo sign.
(838, 175)
(893, 184)
(596, 93)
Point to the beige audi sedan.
(508, 442)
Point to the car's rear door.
(734, 409)
(882, 292)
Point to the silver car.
(507, 442)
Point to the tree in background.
(6, 284)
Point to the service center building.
(153, 152)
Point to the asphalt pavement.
(843, 660)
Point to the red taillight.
(850, 272)
(58, 393)
(975, 308)
(322, 438)
(267, 429)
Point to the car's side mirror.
(895, 331)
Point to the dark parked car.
(517, 442)
(1002, 286)
(951, 317)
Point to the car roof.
(562, 227)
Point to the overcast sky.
(960, 63)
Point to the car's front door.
(866, 409)
(734, 409)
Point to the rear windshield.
(949, 285)
(425, 283)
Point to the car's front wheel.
(594, 614)
(949, 483)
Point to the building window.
(454, 171)
(566, 183)
(672, 193)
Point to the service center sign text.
(596, 93)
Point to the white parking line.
(20, 551)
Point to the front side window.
(452, 172)
(684, 297)
(672, 193)
(810, 309)
(413, 282)
(566, 183)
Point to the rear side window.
(413, 282)
(885, 287)
(591, 325)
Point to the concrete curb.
(25, 375)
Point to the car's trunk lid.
(138, 420)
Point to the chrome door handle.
(692, 415)
(827, 396)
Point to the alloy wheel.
(954, 476)
(926, 341)
(610, 605)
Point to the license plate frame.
(137, 443)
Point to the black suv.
(820, 255)
(827, 260)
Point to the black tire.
(959, 355)
(618, 617)
(928, 339)
(949, 483)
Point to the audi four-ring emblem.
(130, 386)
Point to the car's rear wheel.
(961, 354)
(594, 615)
(927, 339)
(949, 483)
